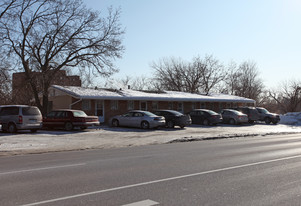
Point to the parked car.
(68, 119)
(174, 118)
(252, 113)
(138, 118)
(267, 117)
(205, 117)
(232, 116)
(20, 117)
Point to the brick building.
(106, 103)
(21, 90)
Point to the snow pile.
(291, 118)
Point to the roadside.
(107, 137)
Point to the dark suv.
(252, 113)
(174, 118)
(20, 117)
(267, 117)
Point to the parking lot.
(25, 142)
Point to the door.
(143, 106)
(99, 110)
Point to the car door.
(137, 119)
(125, 119)
(226, 115)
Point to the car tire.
(68, 126)
(275, 122)
(182, 126)
(33, 130)
(170, 124)
(11, 128)
(232, 121)
(115, 123)
(267, 120)
(144, 125)
(206, 122)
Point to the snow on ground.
(291, 118)
(107, 137)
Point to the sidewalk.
(107, 137)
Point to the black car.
(267, 117)
(252, 113)
(205, 117)
(174, 118)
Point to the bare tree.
(199, 76)
(47, 36)
(244, 80)
(288, 96)
(6, 5)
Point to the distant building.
(106, 103)
(21, 90)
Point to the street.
(262, 170)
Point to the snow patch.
(291, 118)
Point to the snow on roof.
(128, 94)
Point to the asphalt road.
(242, 171)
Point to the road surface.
(242, 171)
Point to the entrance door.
(143, 106)
(99, 110)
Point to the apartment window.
(143, 106)
(86, 105)
(180, 106)
(114, 105)
(154, 105)
(193, 105)
(170, 105)
(130, 105)
(203, 105)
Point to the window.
(170, 105)
(180, 106)
(86, 105)
(154, 105)
(193, 105)
(114, 105)
(130, 105)
(203, 105)
(10, 111)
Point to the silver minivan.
(20, 117)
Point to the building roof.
(128, 94)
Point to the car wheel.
(33, 130)
(68, 126)
(144, 125)
(231, 121)
(170, 124)
(182, 126)
(251, 121)
(206, 122)
(82, 128)
(267, 120)
(12, 128)
(115, 123)
(275, 122)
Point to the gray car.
(20, 117)
(267, 117)
(138, 118)
(232, 116)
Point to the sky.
(267, 32)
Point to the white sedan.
(138, 118)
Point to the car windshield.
(30, 111)
(262, 110)
(176, 113)
(211, 112)
(149, 114)
(237, 112)
(79, 114)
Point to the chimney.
(129, 86)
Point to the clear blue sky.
(267, 32)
